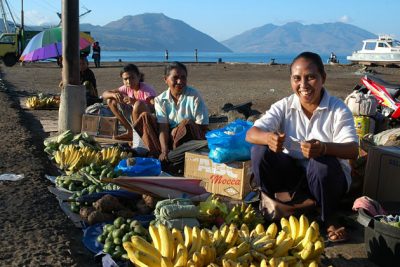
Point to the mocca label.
(219, 179)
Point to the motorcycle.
(387, 95)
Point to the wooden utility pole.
(73, 95)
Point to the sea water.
(159, 56)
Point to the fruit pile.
(121, 230)
(214, 212)
(55, 143)
(40, 101)
(244, 214)
(298, 243)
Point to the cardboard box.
(382, 174)
(231, 179)
(99, 125)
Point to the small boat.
(383, 51)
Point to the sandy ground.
(33, 229)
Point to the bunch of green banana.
(212, 211)
(82, 140)
(244, 214)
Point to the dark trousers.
(278, 172)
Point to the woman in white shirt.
(311, 134)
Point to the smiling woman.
(326, 125)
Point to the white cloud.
(345, 19)
(37, 18)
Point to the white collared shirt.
(332, 121)
(190, 106)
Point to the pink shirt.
(145, 92)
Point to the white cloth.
(332, 122)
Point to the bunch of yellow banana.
(112, 155)
(228, 246)
(69, 158)
(244, 214)
(171, 248)
(89, 156)
(35, 102)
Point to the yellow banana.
(181, 257)
(294, 226)
(206, 254)
(139, 257)
(283, 248)
(187, 231)
(285, 225)
(177, 236)
(232, 236)
(315, 225)
(303, 226)
(243, 248)
(196, 241)
(307, 251)
(263, 263)
(260, 229)
(281, 236)
(318, 249)
(142, 245)
(230, 254)
(198, 259)
(313, 264)
(311, 236)
(167, 242)
(272, 230)
(155, 236)
(166, 262)
(205, 237)
(244, 229)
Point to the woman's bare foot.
(337, 233)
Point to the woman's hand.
(313, 148)
(275, 141)
(129, 101)
(163, 156)
(118, 97)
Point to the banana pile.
(71, 158)
(112, 155)
(36, 102)
(244, 214)
(297, 244)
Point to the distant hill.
(152, 32)
(294, 37)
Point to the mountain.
(293, 38)
(152, 32)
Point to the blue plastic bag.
(229, 143)
(142, 167)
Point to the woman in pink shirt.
(131, 99)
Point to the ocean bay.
(159, 56)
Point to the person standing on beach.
(181, 115)
(309, 135)
(166, 55)
(96, 54)
(131, 99)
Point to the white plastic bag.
(361, 104)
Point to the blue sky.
(222, 19)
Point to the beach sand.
(33, 229)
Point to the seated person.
(181, 115)
(131, 99)
(88, 79)
(309, 134)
